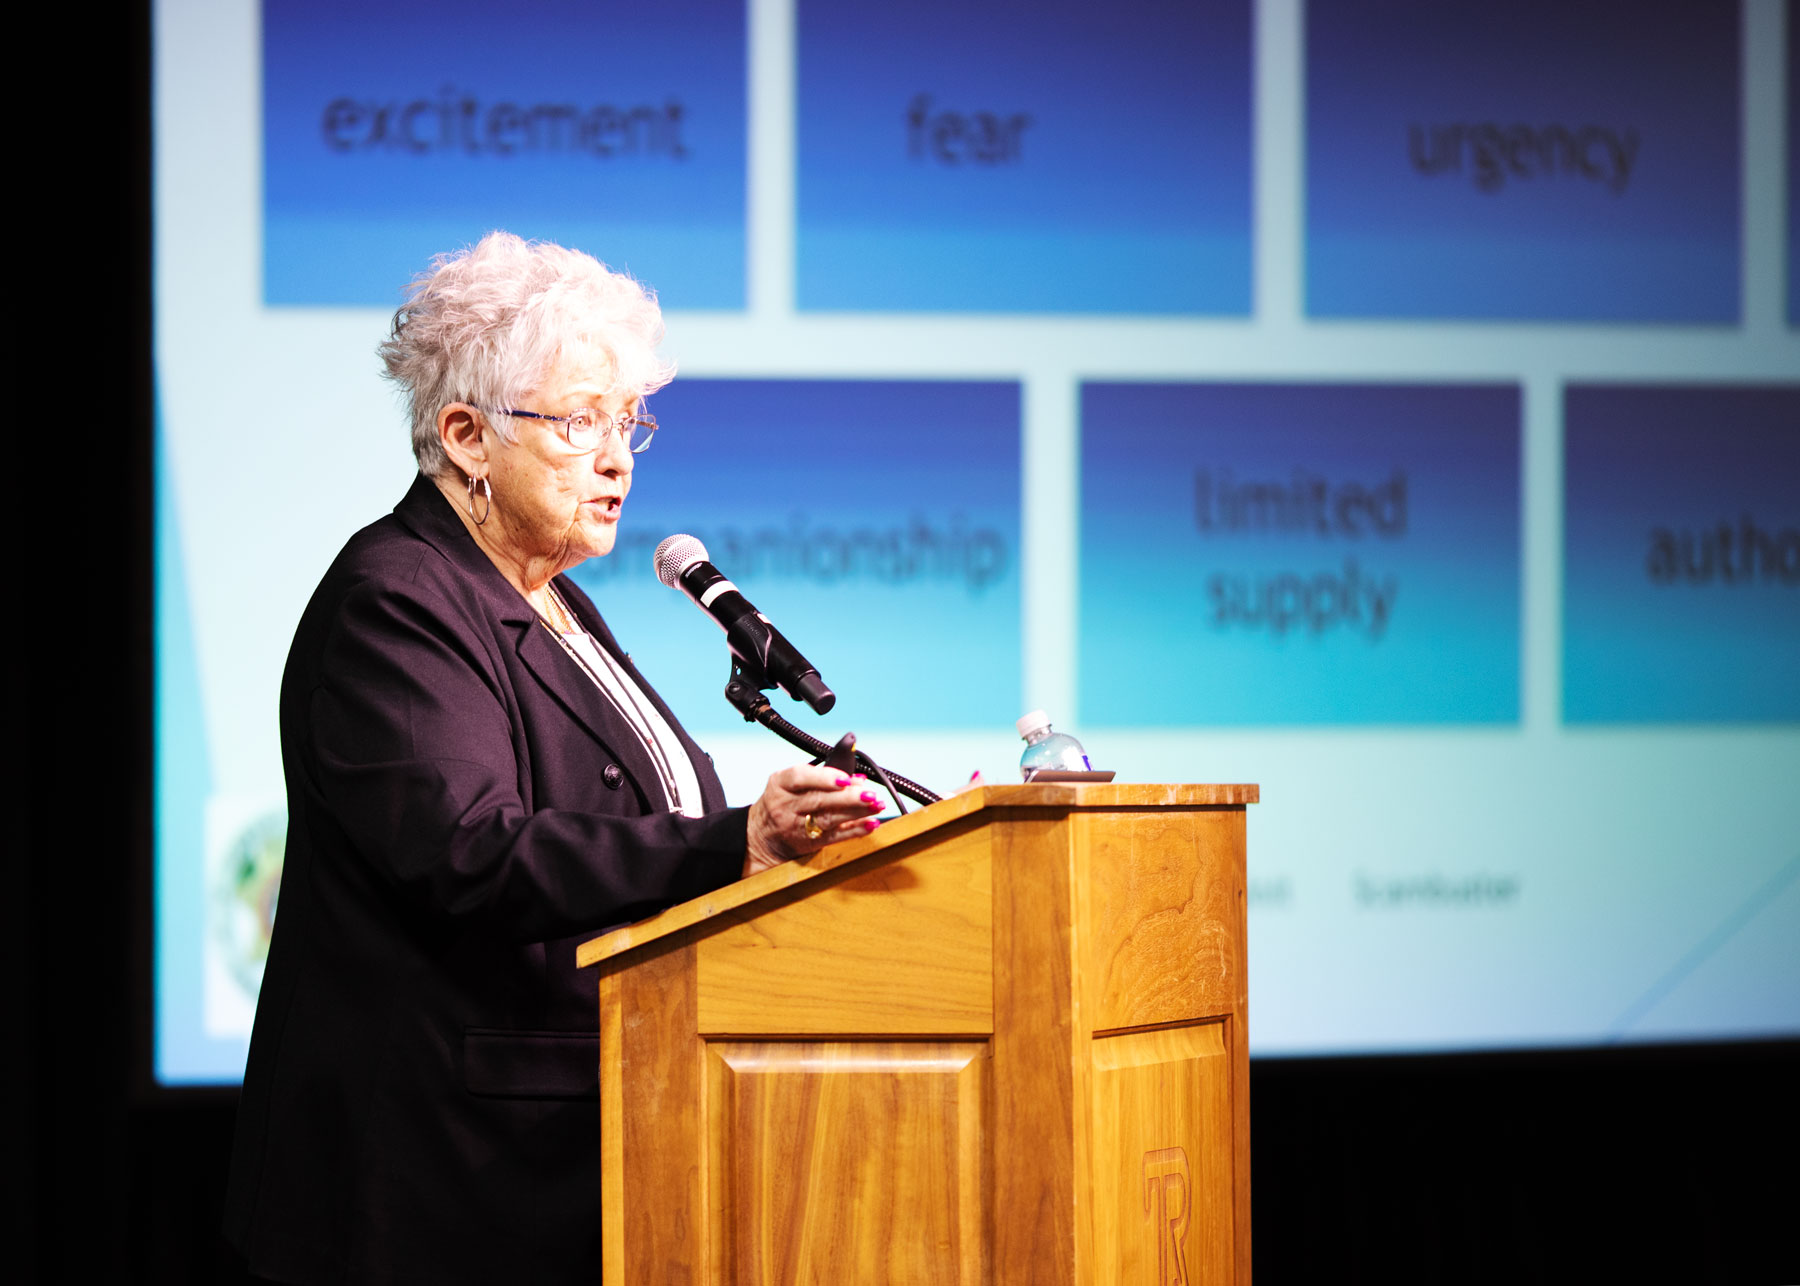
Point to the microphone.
(681, 564)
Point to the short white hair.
(489, 324)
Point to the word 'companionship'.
(911, 553)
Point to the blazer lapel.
(565, 679)
(712, 791)
(426, 512)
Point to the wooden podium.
(1002, 1039)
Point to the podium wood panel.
(1162, 1208)
(1038, 1147)
(1164, 939)
(1000, 1040)
(901, 948)
(660, 1088)
(848, 1161)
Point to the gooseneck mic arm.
(744, 694)
(761, 659)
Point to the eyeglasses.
(587, 429)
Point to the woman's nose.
(614, 456)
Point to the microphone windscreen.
(675, 555)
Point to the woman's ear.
(463, 431)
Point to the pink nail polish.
(842, 782)
(870, 823)
(870, 800)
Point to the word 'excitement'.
(461, 123)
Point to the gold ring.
(812, 828)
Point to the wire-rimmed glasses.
(586, 429)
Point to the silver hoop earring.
(488, 494)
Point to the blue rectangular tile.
(1681, 562)
(1299, 554)
(979, 156)
(398, 131)
(1533, 160)
(876, 523)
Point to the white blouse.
(679, 781)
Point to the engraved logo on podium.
(1166, 1189)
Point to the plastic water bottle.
(1047, 749)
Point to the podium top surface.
(1065, 797)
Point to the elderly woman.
(477, 778)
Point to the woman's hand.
(803, 809)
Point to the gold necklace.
(559, 617)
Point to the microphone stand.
(745, 692)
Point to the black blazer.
(464, 806)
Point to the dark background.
(1656, 1163)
